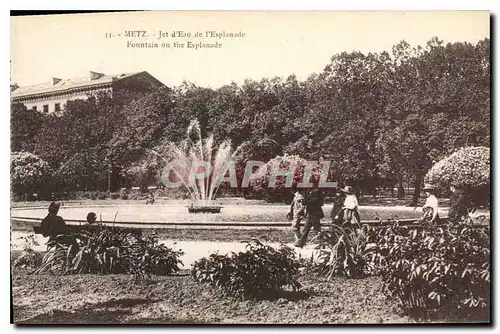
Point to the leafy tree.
(30, 174)
(226, 119)
(85, 170)
(147, 170)
(24, 124)
(84, 124)
(189, 102)
(280, 190)
(431, 111)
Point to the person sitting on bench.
(91, 218)
(54, 225)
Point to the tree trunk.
(401, 189)
(416, 193)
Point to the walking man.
(314, 213)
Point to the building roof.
(68, 84)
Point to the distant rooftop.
(66, 84)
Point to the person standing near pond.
(431, 206)
(314, 213)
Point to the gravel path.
(193, 250)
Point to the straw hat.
(346, 189)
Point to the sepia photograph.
(250, 167)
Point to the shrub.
(28, 258)
(133, 194)
(124, 193)
(114, 195)
(108, 250)
(344, 251)
(86, 195)
(437, 269)
(150, 257)
(468, 168)
(259, 272)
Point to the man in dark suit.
(337, 214)
(459, 203)
(314, 213)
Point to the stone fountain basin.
(204, 209)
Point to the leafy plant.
(28, 258)
(108, 250)
(102, 251)
(431, 269)
(148, 256)
(343, 250)
(259, 272)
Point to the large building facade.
(51, 97)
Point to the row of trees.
(375, 116)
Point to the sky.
(275, 43)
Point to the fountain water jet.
(196, 153)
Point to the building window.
(34, 108)
(45, 108)
(57, 107)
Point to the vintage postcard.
(250, 167)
